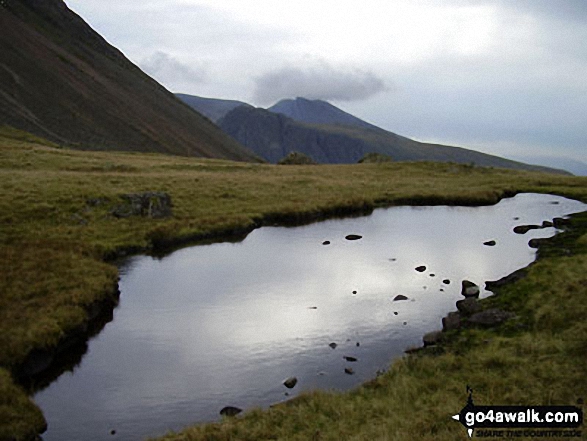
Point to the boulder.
(451, 321)
(420, 268)
(469, 306)
(333, 345)
(349, 358)
(489, 243)
(399, 297)
(446, 282)
(326, 242)
(490, 317)
(353, 237)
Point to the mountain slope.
(61, 80)
(273, 135)
(573, 166)
(210, 107)
(317, 112)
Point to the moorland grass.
(57, 234)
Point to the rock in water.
(348, 358)
(290, 382)
(489, 243)
(230, 411)
(326, 242)
(469, 289)
(353, 237)
(523, 229)
(349, 371)
(333, 345)
(399, 297)
(421, 268)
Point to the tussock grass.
(56, 234)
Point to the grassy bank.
(56, 230)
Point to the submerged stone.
(349, 358)
(349, 371)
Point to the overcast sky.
(504, 77)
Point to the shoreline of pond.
(99, 313)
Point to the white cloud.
(319, 80)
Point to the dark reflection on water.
(225, 324)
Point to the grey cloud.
(320, 81)
(169, 70)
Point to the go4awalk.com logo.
(520, 421)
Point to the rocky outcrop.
(149, 204)
(296, 158)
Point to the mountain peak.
(316, 112)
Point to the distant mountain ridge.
(578, 168)
(210, 107)
(273, 135)
(61, 80)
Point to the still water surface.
(225, 324)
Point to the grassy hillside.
(61, 80)
(57, 229)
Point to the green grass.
(54, 246)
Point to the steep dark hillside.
(273, 135)
(317, 112)
(61, 80)
(210, 107)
